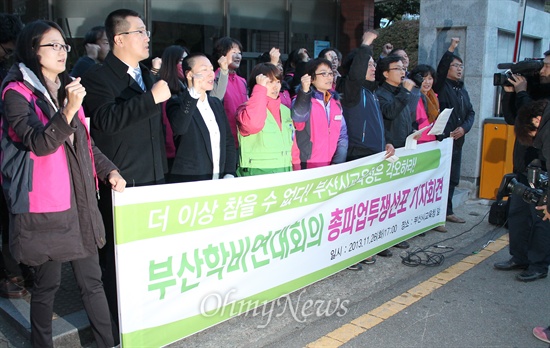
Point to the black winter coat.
(398, 118)
(74, 233)
(453, 94)
(125, 122)
(542, 139)
(511, 103)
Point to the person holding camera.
(532, 127)
(529, 235)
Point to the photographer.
(532, 129)
(529, 235)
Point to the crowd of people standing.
(187, 118)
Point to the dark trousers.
(47, 279)
(455, 175)
(7, 263)
(529, 235)
(107, 254)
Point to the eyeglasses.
(57, 46)
(140, 32)
(7, 52)
(325, 74)
(458, 66)
(372, 65)
(400, 69)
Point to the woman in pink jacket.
(321, 132)
(50, 173)
(427, 108)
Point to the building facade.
(197, 24)
(486, 29)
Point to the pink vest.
(324, 133)
(51, 183)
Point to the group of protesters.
(189, 117)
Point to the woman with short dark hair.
(427, 108)
(265, 127)
(205, 149)
(236, 91)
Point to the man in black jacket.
(126, 121)
(529, 235)
(395, 94)
(452, 94)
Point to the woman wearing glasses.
(50, 170)
(321, 132)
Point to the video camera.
(536, 194)
(530, 67)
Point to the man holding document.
(453, 95)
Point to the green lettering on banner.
(168, 333)
(177, 330)
(142, 221)
(191, 266)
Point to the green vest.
(271, 147)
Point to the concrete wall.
(486, 29)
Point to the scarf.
(433, 105)
(53, 89)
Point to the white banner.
(192, 255)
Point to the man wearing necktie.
(137, 76)
(126, 120)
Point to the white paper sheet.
(441, 122)
(410, 142)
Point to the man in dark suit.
(125, 120)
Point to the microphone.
(523, 66)
(505, 66)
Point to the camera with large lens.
(535, 193)
(530, 67)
